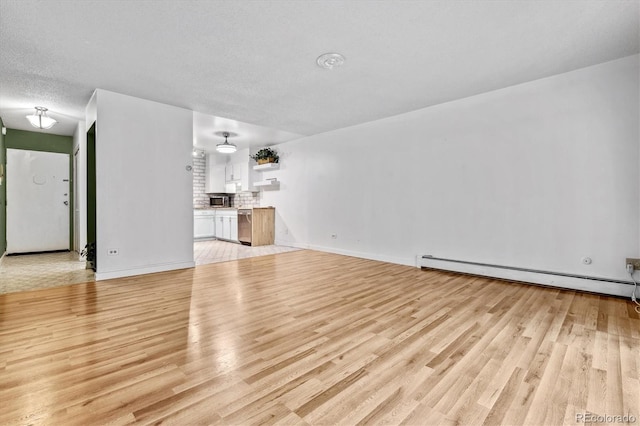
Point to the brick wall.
(200, 198)
(246, 199)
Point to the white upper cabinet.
(230, 174)
(214, 176)
(247, 175)
(242, 170)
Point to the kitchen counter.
(215, 208)
(262, 226)
(224, 223)
(234, 208)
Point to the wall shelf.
(267, 166)
(267, 184)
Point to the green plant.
(266, 153)
(89, 252)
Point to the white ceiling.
(254, 61)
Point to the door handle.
(66, 203)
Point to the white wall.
(143, 190)
(535, 176)
(80, 145)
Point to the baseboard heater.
(555, 279)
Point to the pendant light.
(226, 147)
(40, 119)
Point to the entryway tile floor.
(34, 271)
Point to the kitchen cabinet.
(219, 227)
(233, 228)
(228, 173)
(227, 224)
(231, 188)
(257, 226)
(204, 224)
(247, 176)
(239, 177)
(214, 177)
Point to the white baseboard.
(290, 244)
(611, 287)
(364, 255)
(594, 285)
(146, 270)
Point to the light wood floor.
(314, 338)
(44, 270)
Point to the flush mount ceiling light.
(226, 147)
(40, 119)
(330, 61)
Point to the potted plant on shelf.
(266, 155)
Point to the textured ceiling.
(254, 61)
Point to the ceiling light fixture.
(330, 61)
(40, 119)
(226, 147)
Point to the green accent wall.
(35, 141)
(92, 257)
(3, 194)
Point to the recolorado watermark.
(605, 418)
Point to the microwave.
(219, 201)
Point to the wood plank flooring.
(314, 338)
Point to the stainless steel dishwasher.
(244, 226)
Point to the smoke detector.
(330, 61)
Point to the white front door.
(37, 201)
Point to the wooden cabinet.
(263, 221)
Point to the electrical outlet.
(634, 262)
(113, 252)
